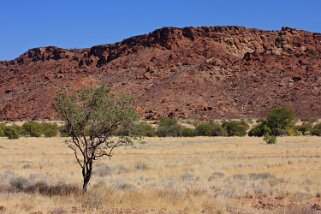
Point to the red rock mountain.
(192, 72)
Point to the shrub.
(103, 170)
(63, 131)
(210, 129)
(2, 127)
(280, 120)
(50, 129)
(305, 128)
(216, 175)
(19, 183)
(316, 130)
(270, 139)
(235, 128)
(260, 130)
(188, 177)
(168, 127)
(141, 166)
(142, 129)
(188, 132)
(32, 129)
(12, 132)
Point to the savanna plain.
(165, 175)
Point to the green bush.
(12, 132)
(210, 128)
(270, 139)
(50, 129)
(32, 129)
(281, 120)
(168, 127)
(305, 128)
(316, 130)
(235, 128)
(63, 132)
(2, 126)
(142, 129)
(260, 130)
(188, 132)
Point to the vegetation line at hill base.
(280, 122)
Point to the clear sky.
(27, 24)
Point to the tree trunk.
(85, 186)
(86, 172)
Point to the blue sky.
(84, 23)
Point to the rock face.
(201, 72)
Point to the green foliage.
(63, 131)
(2, 126)
(92, 116)
(50, 129)
(280, 120)
(32, 129)
(235, 128)
(316, 130)
(270, 139)
(168, 127)
(94, 112)
(138, 129)
(260, 129)
(305, 128)
(188, 132)
(210, 128)
(142, 129)
(12, 132)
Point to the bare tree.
(91, 118)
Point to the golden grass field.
(168, 175)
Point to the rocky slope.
(193, 72)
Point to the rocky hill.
(192, 72)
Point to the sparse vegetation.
(270, 139)
(316, 130)
(12, 132)
(32, 129)
(165, 173)
(305, 128)
(168, 128)
(235, 128)
(210, 128)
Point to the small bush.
(141, 166)
(42, 188)
(261, 176)
(168, 127)
(2, 127)
(142, 129)
(305, 128)
(188, 132)
(316, 130)
(103, 170)
(124, 185)
(210, 129)
(216, 175)
(19, 183)
(32, 129)
(270, 139)
(188, 177)
(12, 132)
(235, 128)
(63, 132)
(280, 120)
(50, 129)
(260, 130)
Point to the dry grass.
(165, 175)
